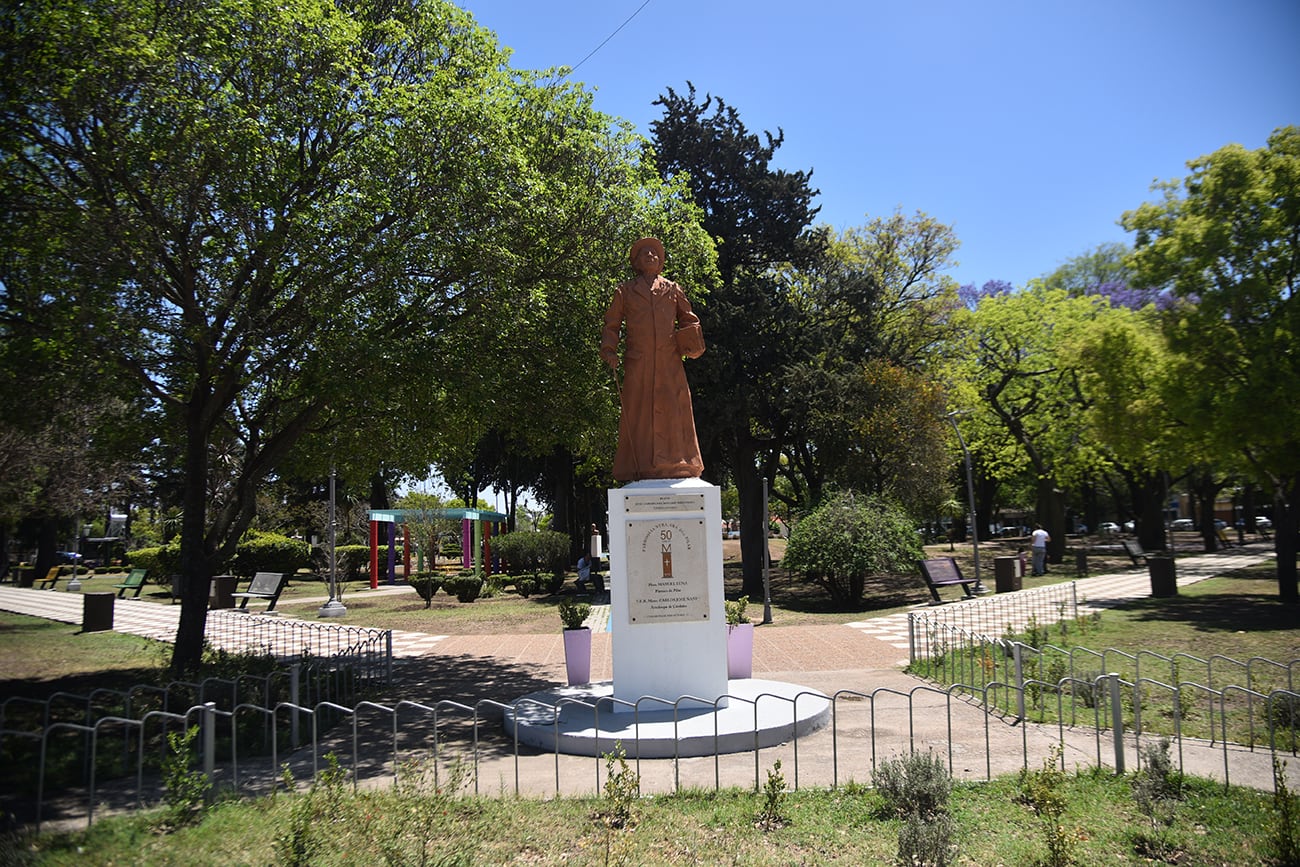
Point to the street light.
(970, 493)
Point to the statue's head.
(647, 256)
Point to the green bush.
(353, 562)
(426, 584)
(528, 553)
(848, 539)
(917, 783)
(465, 586)
(161, 561)
(574, 614)
(269, 552)
(917, 789)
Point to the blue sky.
(1028, 127)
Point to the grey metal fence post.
(209, 742)
(295, 674)
(911, 639)
(1016, 648)
(1117, 721)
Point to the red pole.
(374, 555)
(406, 550)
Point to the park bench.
(1134, 549)
(133, 581)
(50, 580)
(944, 572)
(265, 585)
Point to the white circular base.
(333, 608)
(757, 714)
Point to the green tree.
(1022, 376)
(1226, 241)
(860, 406)
(759, 217)
(848, 539)
(1103, 266)
(287, 221)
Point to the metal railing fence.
(374, 741)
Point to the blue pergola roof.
(399, 516)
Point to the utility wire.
(609, 37)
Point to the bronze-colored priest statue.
(656, 430)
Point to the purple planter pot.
(740, 650)
(577, 655)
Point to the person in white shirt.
(1038, 544)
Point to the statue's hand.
(610, 357)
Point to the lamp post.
(970, 493)
(75, 584)
(334, 607)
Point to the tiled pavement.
(875, 643)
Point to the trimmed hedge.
(528, 553)
(161, 561)
(269, 552)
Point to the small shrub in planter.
(574, 614)
(736, 611)
(465, 586)
(526, 585)
(426, 584)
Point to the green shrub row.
(257, 552)
(527, 553)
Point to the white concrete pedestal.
(667, 621)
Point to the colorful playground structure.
(477, 528)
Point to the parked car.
(1108, 528)
(1130, 526)
(1183, 524)
(1263, 523)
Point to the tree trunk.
(195, 563)
(1286, 527)
(1147, 492)
(47, 540)
(1051, 514)
(379, 493)
(986, 492)
(1207, 492)
(753, 521)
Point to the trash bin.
(222, 593)
(1006, 574)
(1164, 579)
(1081, 562)
(96, 612)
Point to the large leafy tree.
(859, 403)
(759, 217)
(267, 214)
(1023, 376)
(1226, 241)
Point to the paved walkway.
(878, 642)
(862, 658)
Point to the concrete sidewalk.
(880, 711)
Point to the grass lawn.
(992, 823)
(1236, 616)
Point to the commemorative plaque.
(667, 571)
